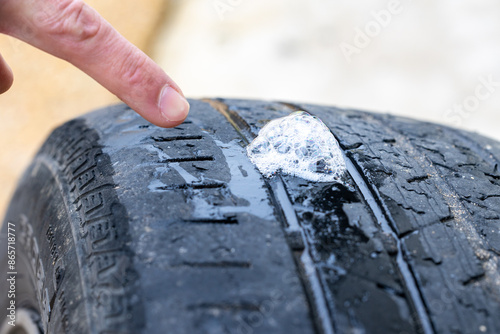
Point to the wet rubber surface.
(354, 259)
(432, 188)
(176, 230)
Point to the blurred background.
(437, 61)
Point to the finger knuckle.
(133, 69)
(69, 19)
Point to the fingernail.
(173, 106)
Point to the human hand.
(73, 31)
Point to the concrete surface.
(431, 60)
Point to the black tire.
(123, 227)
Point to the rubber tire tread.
(142, 229)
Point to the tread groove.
(98, 188)
(372, 198)
(225, 306)
(188, 159)
(193, 186)
(161, 139)
(323, 323)
(219, 264)
(226, 221)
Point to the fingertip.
(173, 107)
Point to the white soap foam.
(299, 144)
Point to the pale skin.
(73, 31)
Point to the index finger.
(72, 30)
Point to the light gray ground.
(419, 59)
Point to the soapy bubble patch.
(299, 144)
